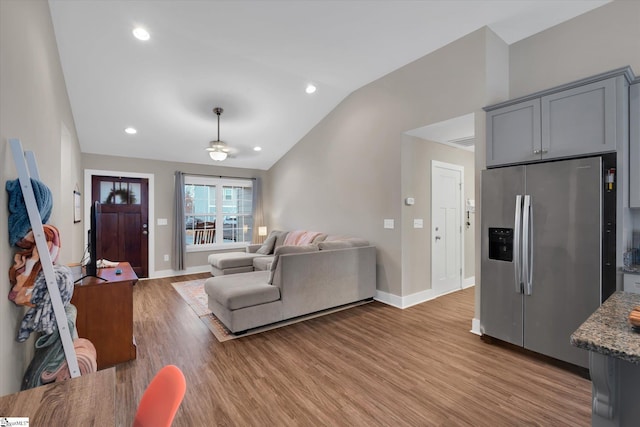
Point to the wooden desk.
(88, 400)
(105, 314)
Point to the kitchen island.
(614, 361)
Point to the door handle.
(527, 245)
(517, 250)
(437, 237)
(145, 232)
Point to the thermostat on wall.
(409, 201)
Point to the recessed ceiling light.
(141, 34)
(310, 88)
(131, 131)
(257, 148)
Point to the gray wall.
(417, 155)
(163, 197)
(34, 107)
(344, 176)
(601, 40)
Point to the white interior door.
(446, 227)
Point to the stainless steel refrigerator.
(548, 252)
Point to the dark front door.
(123, 224)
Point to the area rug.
(194, 295)
(192, 292)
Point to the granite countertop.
(607, 331)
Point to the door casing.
(88, 177)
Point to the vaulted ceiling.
(254, 59)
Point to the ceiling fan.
(218, 150)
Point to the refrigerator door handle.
(527, 245)
(517, 250)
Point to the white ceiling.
(254, 59)
(450, 132)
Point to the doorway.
(446, 227)
(143, 263)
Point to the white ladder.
(27, 169)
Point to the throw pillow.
(267, 246)
(280, 240)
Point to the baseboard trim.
(389, 299)
(468, 282)
(413, 299)
(419, 297)
(381, 296)
(189, 270)
(475, 327)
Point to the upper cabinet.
(575, 120)
(580, 121)
(513, 133)
(634, 145)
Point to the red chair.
(161, 399)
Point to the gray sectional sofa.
(296, 280)
(258, 257)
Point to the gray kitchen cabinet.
(513, 133)
(634, 145)
(574, 120)
(579, 121)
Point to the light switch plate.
(388, 223)
(162, 221)
(418, 223)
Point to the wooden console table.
(105, 314)
(88, 400)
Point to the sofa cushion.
(267, 246)
(263, 263)
(352, 242)
(242, 290)
(333, 237)
(357, 242)
(280, 239)
(320, 238)
(224, 260)
(334, 244)
(284, 250)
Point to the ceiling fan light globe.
(218, 156)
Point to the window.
(218, 211)
(119, 192)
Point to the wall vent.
(466, 142)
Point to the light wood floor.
(372, 365)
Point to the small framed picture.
(77, 214)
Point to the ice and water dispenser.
(501, 244)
